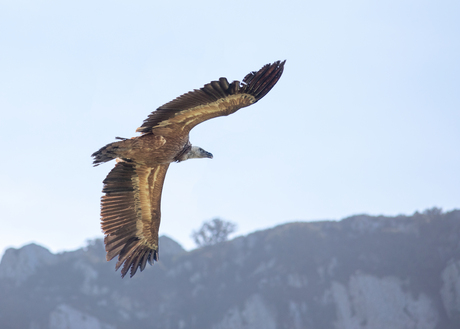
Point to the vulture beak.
(207, 154)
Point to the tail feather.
(106, 153)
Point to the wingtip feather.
(268, 75)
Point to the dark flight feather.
(119, 219)
(211, 92)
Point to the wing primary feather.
(129, 230)
(118, 241)
(254, 76)
(135, 260)
(263, 80)
(127, 251)
(113, 245)
(269, 85)
(143, 261)
(114, 198)
(234, 87)
(218, 89)
(117, 201)
(115, 221)
(257, 84)
(118, 190)
(257, 80)
(150, 257)
(261, 90)
(223, 82)
(111, 217)
(122, 174)
(113, 253)
(198, 97)
(116, 210)
(126, 266)
(112, 229)
(209, 89)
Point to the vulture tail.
(106, 153)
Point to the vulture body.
(130, 208)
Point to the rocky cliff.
(361, 272)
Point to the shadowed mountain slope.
(361, 272)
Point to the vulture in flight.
(130, 208)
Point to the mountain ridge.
(360, 272)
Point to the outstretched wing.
(130, 214)
(215, 99)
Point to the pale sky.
(365, 118)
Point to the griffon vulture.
(130, 208)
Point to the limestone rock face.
(66, 317)
(371, 302)
(18, 264)
(254, 314)
(362, 272)
(450, 291)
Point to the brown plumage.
(130, 210)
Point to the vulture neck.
(194, 152)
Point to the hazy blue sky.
(364, 120)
